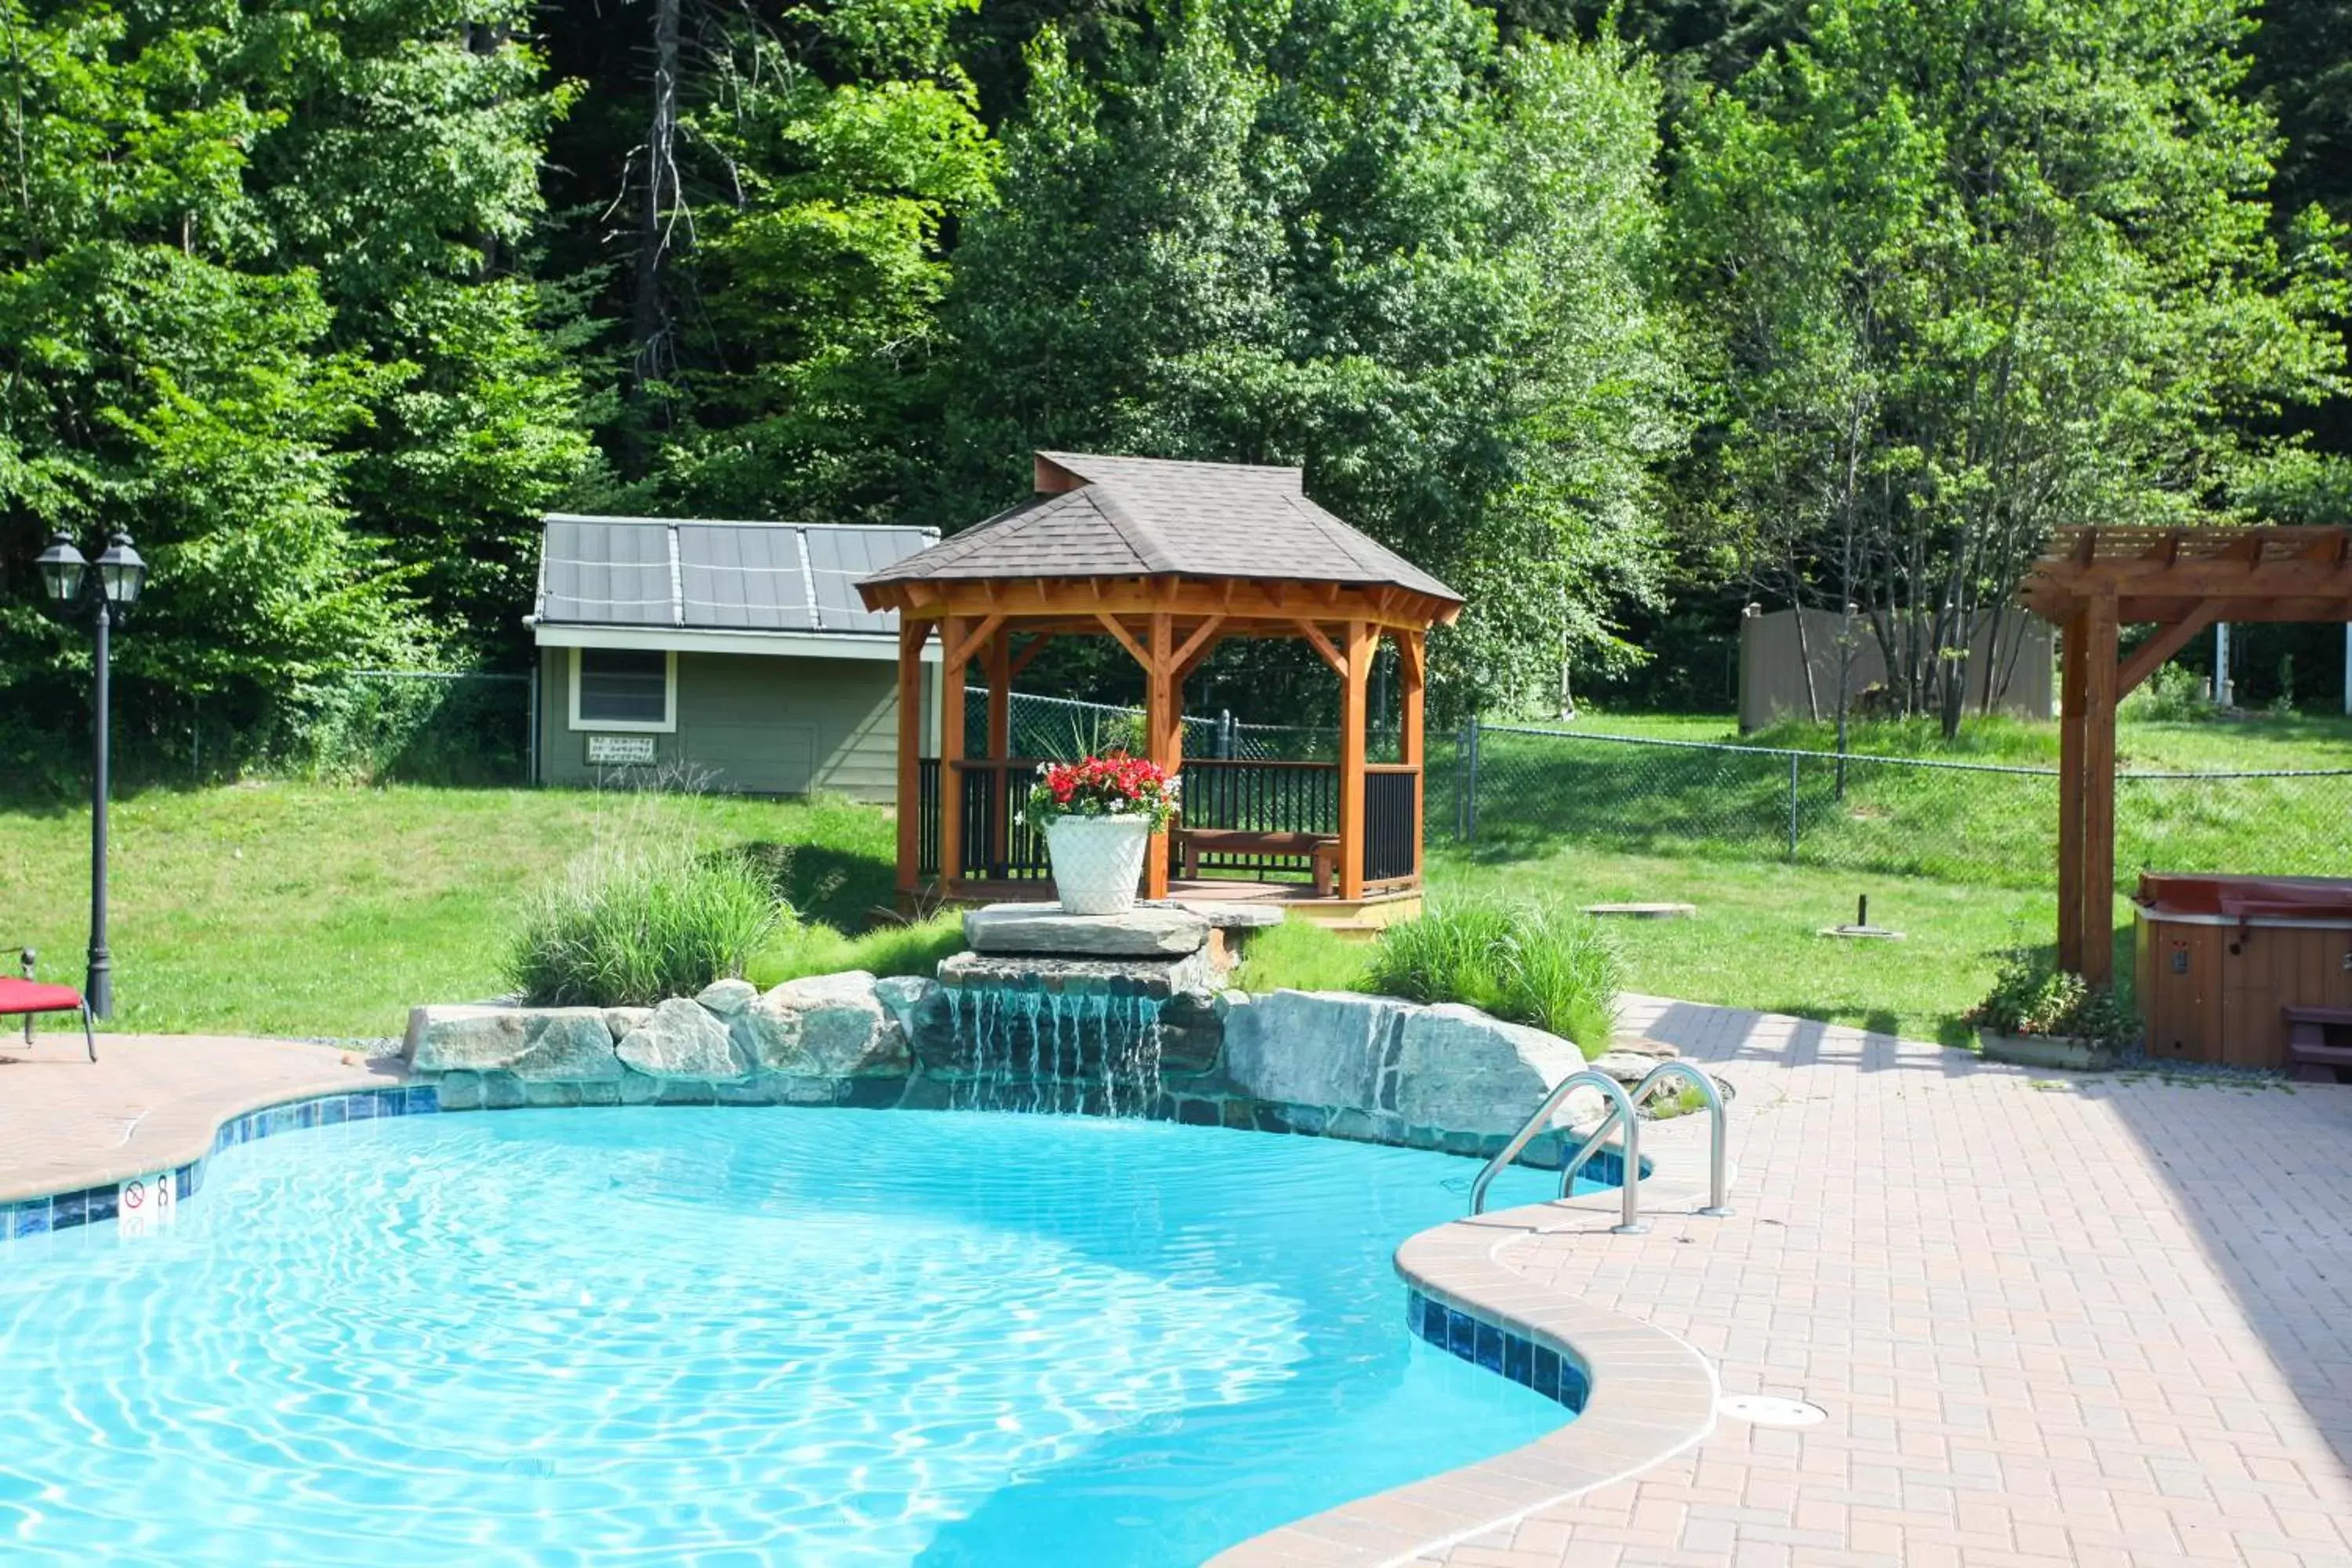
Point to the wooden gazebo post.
(1411, 749)
(1355, 691)
(912, 635)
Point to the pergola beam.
(2150, 655)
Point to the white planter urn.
(1098, 860)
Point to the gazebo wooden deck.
(1169, 558)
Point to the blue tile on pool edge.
(31, 1218)
(1515, 1358)
(1460, 1331)
(1543, 1371)
(1573, 1389)
(360, 1107)
(1490, 1347)
(66, 1209)
(333, 1109)
(183, 1181)
(420, 1098)
(101, 1203)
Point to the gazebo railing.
(1253, 796)
(1391, 825)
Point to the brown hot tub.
(2216, 958)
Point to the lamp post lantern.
(107, 592)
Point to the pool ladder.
(1622, 1113)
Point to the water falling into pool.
(1060, 1053)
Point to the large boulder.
(568, 1044)
(682, 1039)
(1315, 1048)
(1147, 931)
(727, 997)
(1191, 1031)
(1463, 1071)
(825, 1026)
(923, 1010)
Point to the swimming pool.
(728, 1336)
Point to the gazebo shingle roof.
(1129, 517)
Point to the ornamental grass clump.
(1114, 784)
(1549, 967)
(633, 921)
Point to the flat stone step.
(1227, 914)
(1147, 931)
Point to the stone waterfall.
(1067, 1013)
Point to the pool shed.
(737, 653)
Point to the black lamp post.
(113, 589)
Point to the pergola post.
(952, 654)
(912, 636)
(2072, 686)
(1355, 689)
(1410, 748)
(2099, 791)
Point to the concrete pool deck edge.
(158, 1123)
(1653, 1394)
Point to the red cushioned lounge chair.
(29, 996)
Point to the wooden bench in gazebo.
(1168, 559)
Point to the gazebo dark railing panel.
(1391, 842)
(927, 816)
(1256, 796)
(997, 847)
(1261, 797)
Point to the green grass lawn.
(311, 910)
(1978, 828)
(1754, 941)
(314, 910)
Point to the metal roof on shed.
(703, 575)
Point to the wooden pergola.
(1169, 560)
(2092, 581)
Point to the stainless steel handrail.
(1620, 1111)
(1716, 1143)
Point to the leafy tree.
(1363, 236)
(255, 308)
(787, 360)
(1981, 269)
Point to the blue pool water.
(736, 1337)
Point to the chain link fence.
(1509, 790)
(1521, 789)
(1060, 727)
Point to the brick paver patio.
(2101, 1321)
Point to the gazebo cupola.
(1169, 558)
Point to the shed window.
(624, 689)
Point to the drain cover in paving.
(1766, 1411)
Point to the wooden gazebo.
(1168, 559)
(2094, 581)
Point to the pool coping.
(1652, 1393)
(177, 1132)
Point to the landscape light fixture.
(114, 587)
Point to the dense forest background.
(1617, 318)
